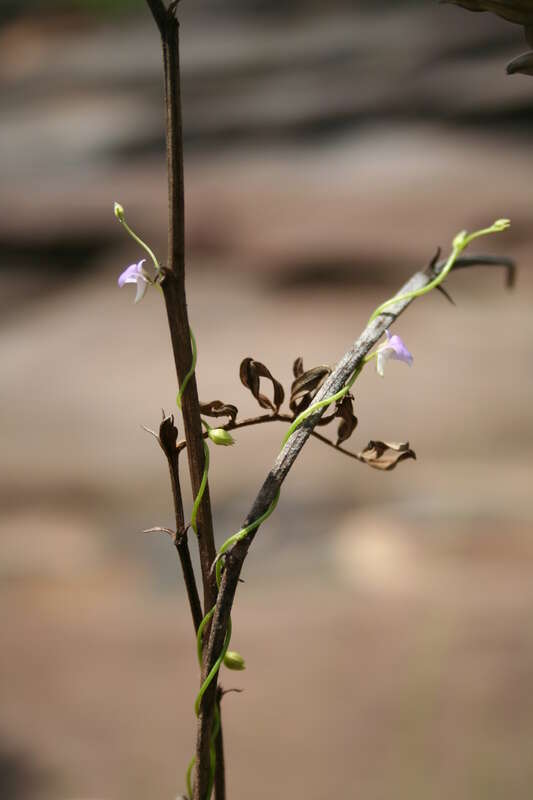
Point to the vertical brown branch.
(176, 304)
(173, 287)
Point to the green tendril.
(201, 491)
(188, 776)
(236, 537)
(179, 397)
(200, 633)
(190, 373)
(321, 404)
(213, 671)
(460, 243)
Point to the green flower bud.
(460, 239)
(119, 212)
(220, 436)
(234, 660)
(501, 225)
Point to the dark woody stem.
(173, 286)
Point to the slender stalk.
(247, 423)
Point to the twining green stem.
(203, 483)
(214, 669)
(452, 258)
(321, 404)
(188, 776)
(236, 537)
(201, 490)
(190, 373)
(460, 243)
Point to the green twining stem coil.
(190, 373)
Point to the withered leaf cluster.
(517, 11)
(303, 390)
(306, 384)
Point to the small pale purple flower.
(392, 348)
(134, 274)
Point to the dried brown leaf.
(251, 372)
(305, 386)
(386, 455)
(298, 367)
(216, 408)
(348, 421)
(168, 435)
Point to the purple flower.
(134, 274)
(392, 348)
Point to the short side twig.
(168, 434)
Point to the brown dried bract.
(348, 419)
(216, 408)
(305, 385)
(386, 455)
(251, 372)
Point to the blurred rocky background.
(386, 617)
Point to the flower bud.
(234, 660)
(220, 436)
(501, 224)
(460, 239)
(119, 212)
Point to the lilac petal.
(131, 273)
(380, 362)
(393, 348)
(142, 286)
(128, 276)
(398, 350)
